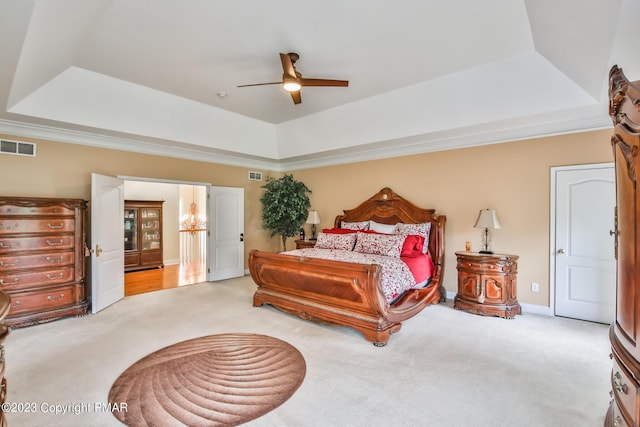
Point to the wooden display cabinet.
(487, 284)
(142, 235)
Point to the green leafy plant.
(285, 206)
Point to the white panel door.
(107, 240)
(585, 276)
(226, 226)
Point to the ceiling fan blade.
(324, 82)
(297, 98)
(261, 84)
(287, 65)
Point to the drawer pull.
(52, 277)
(16, 262)
(55, 227)
(9, 227)
(15, 304)
(2, 282)
(50, 298)
(6, 245)
(620, 388)
(55, 260)
(50, 243)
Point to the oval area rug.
(225, 379)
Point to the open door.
(107, 231)
(226, 225)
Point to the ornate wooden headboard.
(387, 207)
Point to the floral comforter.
(395, 277)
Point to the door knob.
(98, 250)
(561, 251)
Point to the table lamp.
(487, 220)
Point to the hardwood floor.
(171, 276)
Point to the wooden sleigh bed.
(347, 293)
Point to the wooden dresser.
(42, 258)
(487, 284)
(624, 101)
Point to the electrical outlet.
(535, 287)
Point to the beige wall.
(64, 170)
(513, 178)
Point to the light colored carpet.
(444, 367)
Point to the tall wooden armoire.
(624, 108)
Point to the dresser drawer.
(625, 390)
(481, 267)
(42, 300)
(51, 225)
(50, 210)
(18, 244)
(52, 260)
(20, 280)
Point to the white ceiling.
(144, 75)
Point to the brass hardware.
(50, 243)
(2, 282)
(56, 227)
(98, 250)
(617, 386)
(561, 251)
(617, 421)
(615, 233)
(50, 277)
(55, 260)
(50, 298)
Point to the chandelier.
(193, 221)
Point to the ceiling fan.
(292, 80)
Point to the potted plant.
(285, 206)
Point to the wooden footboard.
(333, 292)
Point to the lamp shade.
(313, 218)
(487, 218)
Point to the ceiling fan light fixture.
(291, 85)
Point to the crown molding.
(181, 151)
(471, 136)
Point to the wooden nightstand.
(487, 284)
(301, 244)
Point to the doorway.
(184, 235)
(582, 259)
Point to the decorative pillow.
(338, 231)
(412, 246)
(362, 225)
(382, 228)
(422, 229)
(336, 241)
(379, 244)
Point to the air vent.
(18, 148)
(255, 176)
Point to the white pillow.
(382, 228)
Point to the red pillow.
(338, 231)
(412, 246)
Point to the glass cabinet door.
(150, 228)
(130, 229)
